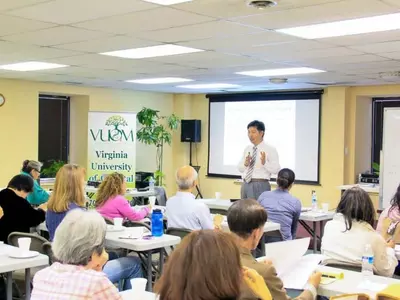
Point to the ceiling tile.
(362, 39)
(221, 29)
(113, 43)
(11, 4)
(378, 47)
(160, 18)
(237, 8)
(55, 36)
(11, 25)
(323, 13)
(73, 11)
(240, 42)
(392, 55)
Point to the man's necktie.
(250, 169)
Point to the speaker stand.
(197, 168)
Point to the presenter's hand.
(248, 160)
(263, 157)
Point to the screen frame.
(268, 96)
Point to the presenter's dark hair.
(21, 183)
(285, 178)
(356, 205)
(257, 124)
(244, 216)
(395, 202)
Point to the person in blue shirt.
(282, 207)
(32, 168)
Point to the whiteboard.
(390, 168)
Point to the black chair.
(36, 240)
(275, 235)
(108, 221)
(181, 232)
(48, 251)
(215, 211)
(136, 224)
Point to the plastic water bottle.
(151, 184)
(157, 225)
(367, 262)
(314, 201)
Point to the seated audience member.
(388, 224)
(246, 219)
(19, 215)
(206, 265)
(78, 249)
(69, 195)
(351, 229)
(111, 203)
(282, 207)
(38, 195)
(183, 211)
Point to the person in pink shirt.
(111, 203)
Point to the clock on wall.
(2, 100)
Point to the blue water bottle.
(157, 225)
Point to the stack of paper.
(290, 263)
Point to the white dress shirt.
(183, 211)
(261, 171)
(347, 247)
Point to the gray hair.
(78, 236)
(185, 183)
(29, 165)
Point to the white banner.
(111, 145)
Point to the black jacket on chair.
(19, 215)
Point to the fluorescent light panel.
(31, 66)
(280, 72)
(209, 86)
(159, 80)
(347, 27)
(153, 51)
(167, 2)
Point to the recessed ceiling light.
(153, 51)
(280, 72)
(159, 80)
(347, 27)
(209, 86)
(167, 2)
(31, 66)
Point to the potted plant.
(156, 130)
(52, 169)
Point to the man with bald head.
(183, 211)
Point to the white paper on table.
(284, 255)
(297, 276)
(371, 286)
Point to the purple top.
(284, 209)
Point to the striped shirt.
(68, 282)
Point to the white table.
(350, 283)
(132, 295)
(8, 265)
(156, 244)
(368, 187)
(315, 217)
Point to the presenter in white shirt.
(258, 163)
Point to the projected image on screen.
(291, 126)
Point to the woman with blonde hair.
(111, 203)
(69, 194)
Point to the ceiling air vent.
(261, 4)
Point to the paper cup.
(139, 285)
(325, 207)
(152, 201)
(218, 195)
(24, 243)
(118, 222)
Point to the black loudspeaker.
(191, 131)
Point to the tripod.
(197, 168)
